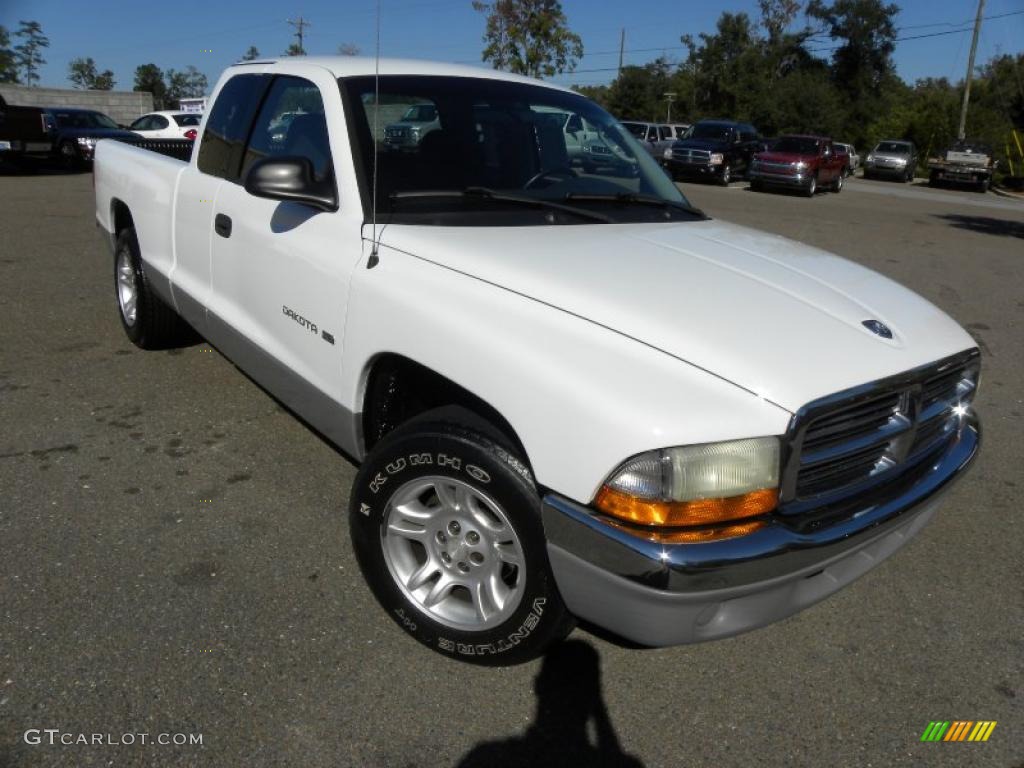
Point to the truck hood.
(780, 319)
(709, 144)
(784, 157)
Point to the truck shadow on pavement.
(571, 726)
(986, 225)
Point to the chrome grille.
(701, 156)
(842, 443)
(765, 165)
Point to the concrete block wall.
(122, 106)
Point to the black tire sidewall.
(454, 451)
(135, 332)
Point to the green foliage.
(82, 74)
(8, 59)
(529, 37)
(149, 77)
(251, 54)
(295, 50)
(183, 85)
(767, 73)
(28, 54)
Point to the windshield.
(504, 153)
(797, 145)
(637, 129)
(712, 131)
(84, 120)
(894, 147)
(421, 113)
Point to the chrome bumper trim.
(782, 548)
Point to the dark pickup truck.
(713, 149)
(22, 132)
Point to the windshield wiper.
(485, 193)
(633, 198)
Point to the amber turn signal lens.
(634, 509)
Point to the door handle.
(222, 225)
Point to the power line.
(300, 24)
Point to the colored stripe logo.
(958, 730)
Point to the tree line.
(834, 75)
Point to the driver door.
(281, 269)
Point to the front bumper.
(780, 179)
(885, 170)
(668, 594)
(695, 170)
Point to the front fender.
(581, 397)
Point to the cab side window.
(665, 131)
(291, 123)
(223, 142)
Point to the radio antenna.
(374, 257)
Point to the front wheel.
(68, 155)
(445, 523)
(812, 187)
(983, 185)
(837, 183)
(726, 175)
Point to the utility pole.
(970, 71)
(669, 98)
(622, 47)
(300, 24)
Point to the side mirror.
(291, 179)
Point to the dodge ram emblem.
(878, 328)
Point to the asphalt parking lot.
(174, 557)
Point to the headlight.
(667, 154)
(716, 158)
(86, 141)
(800, 165)
(695, 484)
(901, 161)
(869, 159)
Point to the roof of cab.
(356, 66)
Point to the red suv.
(803, 162)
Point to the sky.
(122, 35)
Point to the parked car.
(74, 133)
(853, 157)
(807, 163)
(679, 129)
(167, 125)
(571, 395)
(891, 159)
(964, 162)
(23, 133)
(655, 137)
(418, 121)
(714, 149)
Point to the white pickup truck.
(572, 394)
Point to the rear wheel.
(983, 185)
(837, 183)
(445, 522)
(147, 321)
